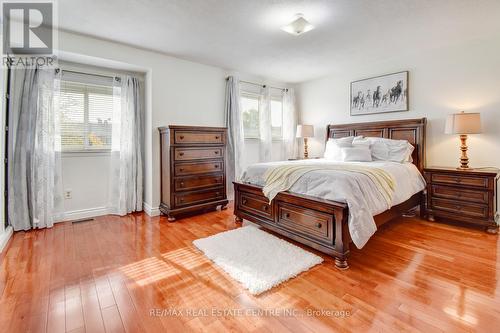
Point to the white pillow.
(391, 150)
(356, 154)
(359, 141)
(333, 148)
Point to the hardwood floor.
(136, 273)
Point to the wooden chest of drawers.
(192, 169)
(468, 196)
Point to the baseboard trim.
(151, 211)
(85, 213)
(5, 236)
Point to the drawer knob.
(458, 180)
(265, 207)
(216, 137)
(182, 184)
(181, 169)
(318, 225)
(217, 194)
(244, 201)
(181, 154)
(216, 152)
(287, 215)
(181, 200)
(181, 137)
(216, 166)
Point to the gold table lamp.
(463, 123)
(305, 131)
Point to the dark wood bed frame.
(322, 224)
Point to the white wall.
(178, 92)
(86, 175)
(462, 77)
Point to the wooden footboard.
(320, 224)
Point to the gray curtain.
(35, 197)
(234, 124)
(127, 152)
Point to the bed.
(317, 220)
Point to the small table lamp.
(463, 123)
(305, 131)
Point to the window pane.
(72, 108)
(276, 118)
(86, 116)
(250, 114)
(100, 113)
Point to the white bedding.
(357, 190)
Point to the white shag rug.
(258, 260)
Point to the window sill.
(86, 153)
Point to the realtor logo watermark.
(28, 34)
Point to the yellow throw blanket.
(283, 177)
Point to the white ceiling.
(245, 35)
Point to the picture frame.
(379, 94)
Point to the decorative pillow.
(391, 150)
(333, 148)
(356, 154)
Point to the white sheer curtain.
(126, 171)
(35, 196)
(289, 144)
(265, 126)
(235, 141)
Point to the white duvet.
(355, 189)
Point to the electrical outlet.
(68, 193)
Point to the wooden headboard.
(412, 130)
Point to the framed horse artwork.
(380, 94)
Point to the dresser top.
(471, 171)
(190, 128)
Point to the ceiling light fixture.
(298, 26)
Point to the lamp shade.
(305, 131)
(463, 123)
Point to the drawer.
(191, 198)
(186, 154)
(448, 192)
(460, 180)
(185, 169)
(306, 222)
(460, 208)
(198, 137)
(256, 204)
(194, 183)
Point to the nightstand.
(467, 196)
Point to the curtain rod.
(260, 85)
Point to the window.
(250, 114)
(86, 114)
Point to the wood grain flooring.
(142, 274)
